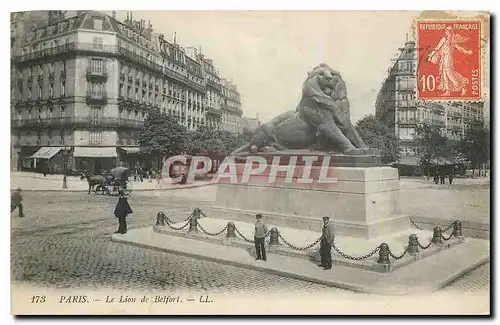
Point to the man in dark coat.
(16, 202)
(327, 238)
(122, 210)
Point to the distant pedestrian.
(122, 210)
(450, 178)
(259, 238)
(327, 239)
(16, 202)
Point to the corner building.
(82, 86)
(402, 113)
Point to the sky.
(268, 53)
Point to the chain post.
(231, 230)
(193, 223)
(197, 213)
(274, 238)
(413, 245)
(437, 236)
(160, 219)
(383, 254)
(457, 230)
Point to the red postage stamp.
(449, 60)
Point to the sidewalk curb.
(138, 190)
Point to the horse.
(98, 180)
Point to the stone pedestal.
(361, 201)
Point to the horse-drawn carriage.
(111, 183)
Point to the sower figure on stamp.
(16, 202)
(259, 238)
(122, 210)
(327, 238)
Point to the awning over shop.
(46, 152)
(95, 152)
(131, 150)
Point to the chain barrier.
(212, 233)
(298, 247)
(446, 239)
(449, 227)
(356, 258)
(189, 216)
(415, 225)
(424, 247)
(177, 228)
(243, 236)
(444, 230)
(398, 257)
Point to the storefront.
(95, 159)
(48, 160)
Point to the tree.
(161, 135)
(475, 145)
(377, 135)
(431, 144)
(205, 140)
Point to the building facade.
(231, 119)
(82, 86)
(397, 107)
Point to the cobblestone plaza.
(64, 242)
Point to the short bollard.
(197, 213)
(412, 244)
(231, 230)
(437, 236)
(274, 237)
(457, 230)
(193, 223)
(160, 219)
(383, 254)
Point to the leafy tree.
(475, 145)
(377, 135)
(161, 135)
(431, 144)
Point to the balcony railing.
(77, 121)
(93, 99)
(97, 75)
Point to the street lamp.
(65, 167)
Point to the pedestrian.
(259, 238)
(122, 210)
(450, 178)
(16, 202)
(325, 249)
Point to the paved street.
(65, 241)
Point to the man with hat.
(327, 238)
(15, 202)
(122, 210)
(259, 238)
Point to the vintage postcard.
(250, 162)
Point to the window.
(95, 137)
(63, 88)
(96, 90)
(96, 65)
(62, 111)
(120, 90)
(61, 137)
(29, 92)
(40, 92)
(98, 23)
(96, 115)
(97, 43)
(51, 91)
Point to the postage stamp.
(449, 59)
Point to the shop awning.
(46, 152)
(408, 161)
(131, 150)
(95, 152)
